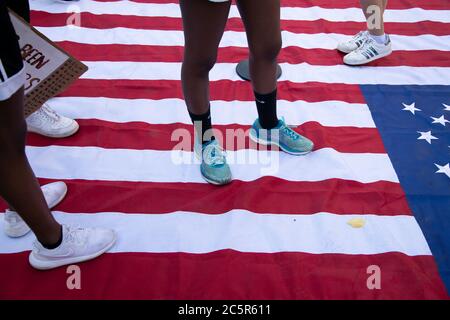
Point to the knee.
(266, 51)
(199, 64)
(12, 140)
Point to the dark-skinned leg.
(262, 24)
(203, 24)
(18, 185)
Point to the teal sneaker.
(214, 167)
(282, 136)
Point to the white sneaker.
(78, 245)
(354, 43)
(47, 122)
(15, 227)
(369, 51)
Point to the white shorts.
(10, 85)
(12, 72)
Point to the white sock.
(379, 39)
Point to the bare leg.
(18, 185)
(262, 24)
(204, 24)
(375, 24)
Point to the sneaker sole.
(263, 142)
(56, 135)
(40, 265)
(370, 60)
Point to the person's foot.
(47, 122)
(15, 227)
(78, 245)
(214, 167)
(354, 43)
(368, 52)
(282, 136)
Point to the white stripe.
(247, 232)
(298, 73)
(287, 13)
(327, 113)
(231, 38)
(93, 163)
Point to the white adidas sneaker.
(78, 245)
(15, 227)
(47, 122)
(354, 43)
(368, 52)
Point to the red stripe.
(392, 4)
(342, 4)
(108, 21)
(227, 275)
(142, 136)
(225, 90)
(292, 55)
(265, 195)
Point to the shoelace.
(49, 113)
(289, 132)
(358, 36)
(365, 47)
(75, 235)
(214, 154)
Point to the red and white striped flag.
(287, 235)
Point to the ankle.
(380, 39)
(202, 126)
(266, 105)
(53, 239)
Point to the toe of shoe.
(17, 231)
(350, 59)
(217, 175)
(58, 187)
(345, 48)
(301, 146)
(305, 145)
(70, 125)
(102, 239)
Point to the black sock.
(54, 245)
(267, 109)
(202, 123)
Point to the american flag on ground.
(380, 162)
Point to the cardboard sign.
(49, 70)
